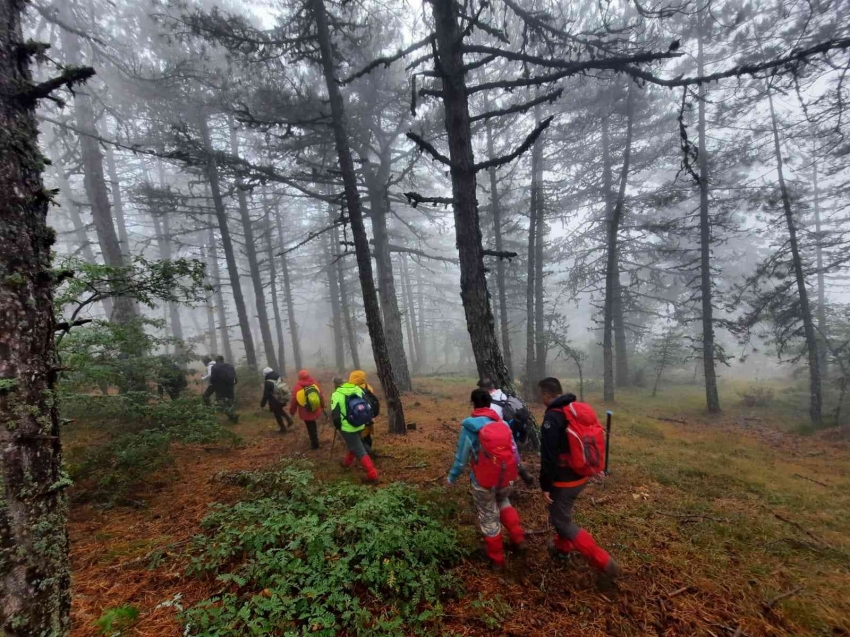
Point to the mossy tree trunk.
(34, 574)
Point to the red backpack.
(495, 464)
(585, 440)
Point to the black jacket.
(553, 443)
(268, 389)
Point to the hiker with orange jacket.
(308, 401)
(487, 445)
(563, 477)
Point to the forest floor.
(724, 527)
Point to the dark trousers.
(224, 398)
(313, 432)
(281, 417)
(561, 510)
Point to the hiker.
(277, 394)
(358, 377)
(351, 413)
(209, 391)
(512, 411)
(564, 474)
(308, 400)
(487, 445)
(222, 381)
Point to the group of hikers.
(572, 450)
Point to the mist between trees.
(507, 189)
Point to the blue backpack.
(358, 411)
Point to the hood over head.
(304, 375)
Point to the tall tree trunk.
(94, 180)
(540, 339)
(212, 339)
(496, 206)
(163, 237)
(120, 218)
(34, 572)
(376, 189)
(336, 312)
(251, 253)
(345, 304)
(287, 291)
(421, 355)
(823, 349)
(226, 348)
(473, 281)
(611, 227)
(410, 313)
(227, 244)
(395, 412)
(530, 324)
(706, 291)
(815, 390)
(267, 231)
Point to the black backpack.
(515, 413)
(223, 374)
(373, 401)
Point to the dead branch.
(70, 76)
(427, 147)
(802, 529)
(414, 199)
(680, 422)
(798, 475)
(519, 108)
(528, 143)
(794, 591)
(387, 60)
(681, 591)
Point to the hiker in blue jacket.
(491, 477)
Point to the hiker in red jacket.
(308, 401)
(561, 485)
(487, 445)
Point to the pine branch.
(528, 143)
(426, 146)
(613, 63)
(414, 199)
(387, 60)
(70, 76)
(519, 108)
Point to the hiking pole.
(608, 415)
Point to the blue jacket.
(468, 444)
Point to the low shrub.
(757, 396)
(305, 557)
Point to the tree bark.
(815, 389)
(540, 338)
(350, 331)
(120, 218)
(227, 244)
(163, 238)
(251, 253)
(227, 349)
(823, 349)
(421, 353)
(287, 292)
(496, 207)
(267, 232)
(473, 280)
(212, 339)
(376, 189)
(336, 312)
(708, 350)
(530, 324)
(410, 313)
(34, 571)
(611, 227)
(395, 412)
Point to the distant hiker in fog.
(277, 394)
(487, 445)
(358, 377)
(351, 413)
(209, 362)
(308, 401)
(564, 471)
(222, 383)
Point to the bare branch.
(387, 60)
(529, 141)
(519, 108)
(426, 146)
(414, 199)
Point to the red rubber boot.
(348, 460)
(495, 551)
(371, 471)
(510, 520)
(598, 557)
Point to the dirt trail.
(134, 556)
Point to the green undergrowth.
(300, 556)
(137, 434)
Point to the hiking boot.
(521, 548)
(606, 580)
(497, 567)
(368, 480)
(556, 554)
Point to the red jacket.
(305, 380)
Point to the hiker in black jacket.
(561, 485)
(277, 394)
(223, 381)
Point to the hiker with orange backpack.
(308, 401)
(487, 444)
(572, 448)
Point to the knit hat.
(267, 371)
(357, 377)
